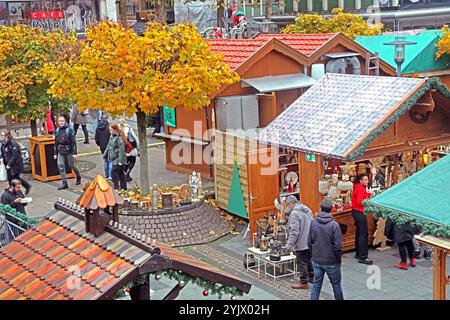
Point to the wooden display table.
(43, 165)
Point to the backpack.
(128, 146)
(65, 149)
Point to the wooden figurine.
(379, 237)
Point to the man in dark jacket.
(325, 243)
(101, 139)
(13, 196)
(300, 217)
(65, 149)
(12, 158)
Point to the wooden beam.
(173, 294)
(155, 263)
(439, 273)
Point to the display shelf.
(289, 193)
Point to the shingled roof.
(43, 262)
(341, 113)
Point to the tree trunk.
(268, 10)
(143, 157)
(123, 12)
(34, 129)
(160, 11)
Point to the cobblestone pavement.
(196, 226)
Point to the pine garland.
(401, 218)
(408, 104)
(6, 208)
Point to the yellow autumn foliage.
(444, 43)
(350, 24)
(120, 72)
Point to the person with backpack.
(12, 158)
(132, 148)
(65, 150)
(115, 152)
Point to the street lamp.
(400, 48)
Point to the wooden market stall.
(274, 72)
(342, 126)
(424, 201)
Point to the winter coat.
(133, 139)
(358, 195)
(12, 156)
(299, 224)
(325, 240)
(8, 197)
(65, 142)
(115, 150)
(78, 116)
(102, 135)
(399, 233)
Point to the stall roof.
(39, 263)
(419, 57)
(423, 196)
(341, 113)
(236, 51)
(279, 83)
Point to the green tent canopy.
(419, 57)
(422, 199)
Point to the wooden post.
(395, 170)
(439, 273)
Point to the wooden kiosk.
(43, 165)
(342, 126)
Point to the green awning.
(279, 83)
(423, 199)
(418, 57)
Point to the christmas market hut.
(274, 72)
(83, 252)
(424, 201)
(342, 126)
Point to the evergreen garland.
(6, 208)
(399, 218)
(432, 83)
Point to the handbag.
(3, 174)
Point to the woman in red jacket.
(362, 230)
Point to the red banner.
(55, 14)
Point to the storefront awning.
(279, 83)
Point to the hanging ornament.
(205, 293)
(233, 297)
(158, 277)
(181, 283)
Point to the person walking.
(12, 158)
(403, 235)
(362, 229)
(65, 150)
(300, 217)
(132, 155)
(102, 136)
(325, 243)
(115, 152)
(80, 118)
(13, 196)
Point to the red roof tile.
(305, 43)
(236, 51)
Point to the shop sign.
(54, 14)
(169, 116)
(311, 157)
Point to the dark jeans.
(406, 246)
(11, 177)
(85, 131)
(333, 272)
(304, 265)
(118, 176)
(361, 235)
(131, 163)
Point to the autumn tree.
(350, 24)
(23, 86)
(121, 72)
(444, 43)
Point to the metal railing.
(11, 227)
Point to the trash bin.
(43, 166)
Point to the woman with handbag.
(115, 152)
(80, 118)
(134, 152)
